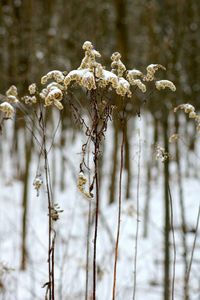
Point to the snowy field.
(71, 228)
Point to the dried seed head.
(162, 84)
(7, 108)
(37, 183)
(117, 64)
(81, 186)
(56, 75)
(151, 69)
(12, 91)
(32, 88)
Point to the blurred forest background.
(39, 36)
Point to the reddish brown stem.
(50, 246)
(96, 150)
(119, 210)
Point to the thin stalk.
(96, 151)
(50, 263)
(88, 235)
(193, 247)
(174, 242)
(119, 203)
(137, 224)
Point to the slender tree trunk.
(114, 162)
(25, 202)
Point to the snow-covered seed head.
(123, 87)
(32, 88)
(12, 95)
(87, 46)
(116, 56)
(162, 84)
(132, 78)
(186, 107)
(81, 185)
(192, 115)
(56, 75)
(190, 109)
(83, 77)
(52, 95)
(29, 99)
(151, 69)
(7, 108)
(12, 91)
(117, 64)
(58, 104)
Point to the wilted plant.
(98, 83)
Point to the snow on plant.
(190, 109)
(92, 77)
(7, 108)
(82, 180)
(162, 84)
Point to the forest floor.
(71, 228)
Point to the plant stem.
(50, 263)
(119, 210)
(96, 152)
(174, 242)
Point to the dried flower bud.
(7, 108)
(117, 63)
(56, 75)
(162, 84)
(151, 69)
(81, 186)
(12, 91)
(37, 183)
(32, 88)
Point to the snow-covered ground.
(71, 228)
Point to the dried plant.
(99, 86)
